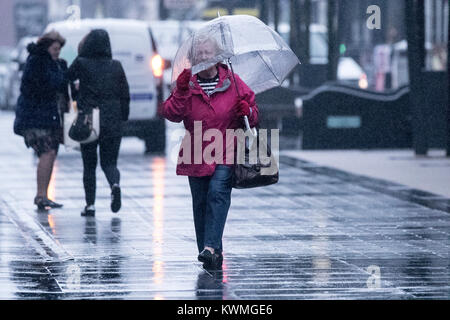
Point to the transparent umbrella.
(253, 50)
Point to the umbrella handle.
(247, 126)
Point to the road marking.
(33, 232)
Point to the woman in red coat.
(209, 105)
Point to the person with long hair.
(37, 114)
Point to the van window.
(130, 49)
(70, 50)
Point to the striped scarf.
(208, 85)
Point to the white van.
(133, 45)
(169, 36)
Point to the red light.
(157, 64)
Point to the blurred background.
(375, 55)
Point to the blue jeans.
(211, 199)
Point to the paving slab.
(317, 234)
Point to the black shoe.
(116, 201)
(211, 261)
(53, 204)
(219, 261)
(44, 204)
(39, 201)
(88, 212)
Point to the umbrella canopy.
(257, 53)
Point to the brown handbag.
(255, 173)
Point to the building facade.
(20, 18)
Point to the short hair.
(200, 40)
(47, 39)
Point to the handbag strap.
(69, 89)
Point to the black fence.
(436, 104)
(342, 117)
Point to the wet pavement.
(317, 234)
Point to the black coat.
(103, 83)
(42, 79)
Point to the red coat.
(218, 111)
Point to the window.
(436, 34)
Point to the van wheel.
(154, 145)
(155, 141)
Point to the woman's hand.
(183, 80)
(243, 108)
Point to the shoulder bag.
(251, 170)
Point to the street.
(314, 235)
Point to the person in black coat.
(37, 115)
(102, 84)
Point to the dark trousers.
(211, 200)
(109, 152)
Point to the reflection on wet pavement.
(317, 234)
